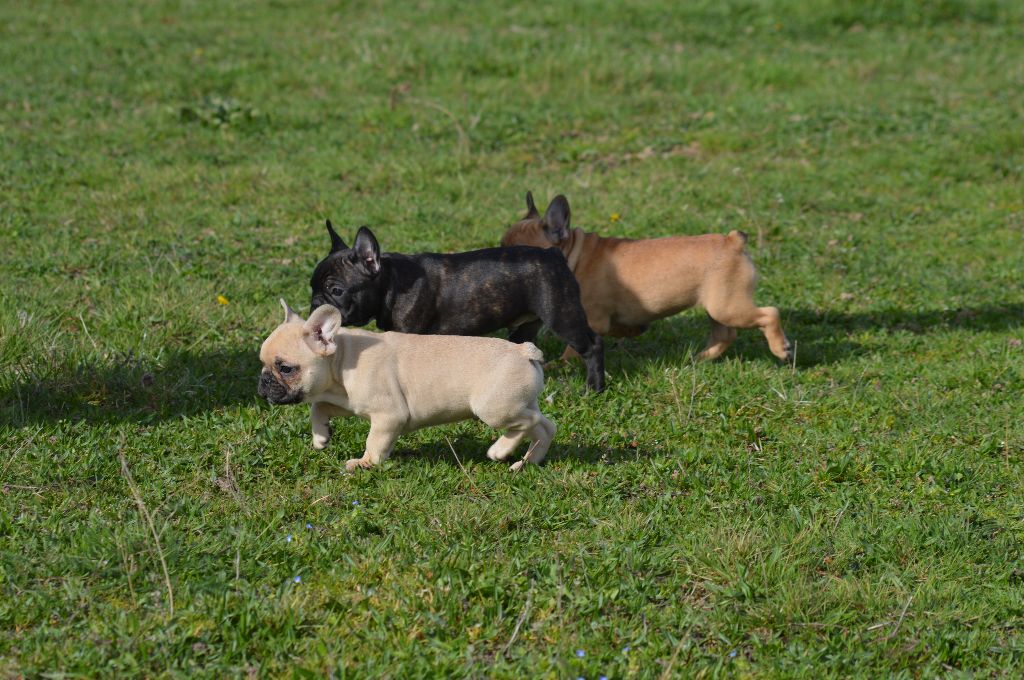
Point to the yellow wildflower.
(614, 217)
(221, 300)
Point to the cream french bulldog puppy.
(402, 383)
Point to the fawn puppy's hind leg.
(770, 322)
(745, 315)
(729, 301)
(721, 337)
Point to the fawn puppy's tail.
(737, 238)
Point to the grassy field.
(858, 514)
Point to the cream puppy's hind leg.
(379, 443)
(506, 445)
(541, 435)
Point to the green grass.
(859, 515)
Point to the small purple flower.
(308, 525)
(625, 650)
(288, 538)
(603, 677)
(297, 579)
(580, 653)
(355, 502)
(732, 654)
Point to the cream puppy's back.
(437, 378)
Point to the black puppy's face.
(349, 278)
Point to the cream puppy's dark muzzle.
(275, 391)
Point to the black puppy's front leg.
(588, 345)
(526, 332)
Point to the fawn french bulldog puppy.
(402, 383)
(472, 293)
(625, 284)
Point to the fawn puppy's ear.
(367, 251)
(290, 315)
(336, 242)
(320, 328)
(556, 220)
(531, 207)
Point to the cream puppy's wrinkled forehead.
(286, 338)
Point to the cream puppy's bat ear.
(290, 315)
(320, 329)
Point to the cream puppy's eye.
(284, 369)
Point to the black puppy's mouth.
(276, 393)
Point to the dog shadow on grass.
(187, 383)
(129, 388)
(819, 336)
(472, 449)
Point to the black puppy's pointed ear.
(531, 207)
(336, 242)
(367, 251)
(556, 220)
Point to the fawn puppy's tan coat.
(625, 284)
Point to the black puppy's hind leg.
(526, 332)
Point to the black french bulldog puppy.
(472, 293)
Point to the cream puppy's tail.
(530, 351)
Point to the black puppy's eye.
(336, 291)
(285, 369)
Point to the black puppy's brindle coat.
(470, 293)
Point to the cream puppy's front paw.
(320, 441)
(353, 464)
